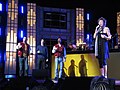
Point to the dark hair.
(104, 20)
(60, 37)
(72, 60)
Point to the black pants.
(40, 63)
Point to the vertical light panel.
(21, 33)
(11, 39)
(31, 33)
(0, 56)
(118, 27)
(88, 16)
(79, 26)
(0, 6)
(0, 31)
(22, 9)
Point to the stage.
(31, 83)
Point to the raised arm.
(18, 46)
(54, 49)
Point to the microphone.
(76, 66)
(65, 68)
(98, 26)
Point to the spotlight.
(0, 31)
(0, 6)
(0, 56)
(88, 16)
(22, 9)
(21, 33)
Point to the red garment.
(24, 51)
(60, 51)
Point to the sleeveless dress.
(101, 49)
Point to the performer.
(60, 56)
(42, 55)
(23, 53)
(102, 35)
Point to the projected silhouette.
(71, 69)
(82, 67)
(64, 72)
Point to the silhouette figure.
(71, 69)
(82, 67)
(64, 72)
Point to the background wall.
(114, 65)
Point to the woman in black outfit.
(102, 35)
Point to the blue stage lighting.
(9, 76)
(88, 36)
(88, 16)
(4, 55)
(0, 6)
(0, 56)
(22, 9)
(21, 33)
(0, 31)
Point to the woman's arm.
(108, 37)
(96, 32)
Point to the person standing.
(60, 56)
(23, 53)
(42, 55)
(102, 35)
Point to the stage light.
(0, 56)
(4, 55)
(88, 16)
(21, 33)
(88, 36)
(22, 9)
(0, 6)
(9, 76)
(0, 31)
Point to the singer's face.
(59, 40)
(101, 22)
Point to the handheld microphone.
(76, 66)
(98, 26)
